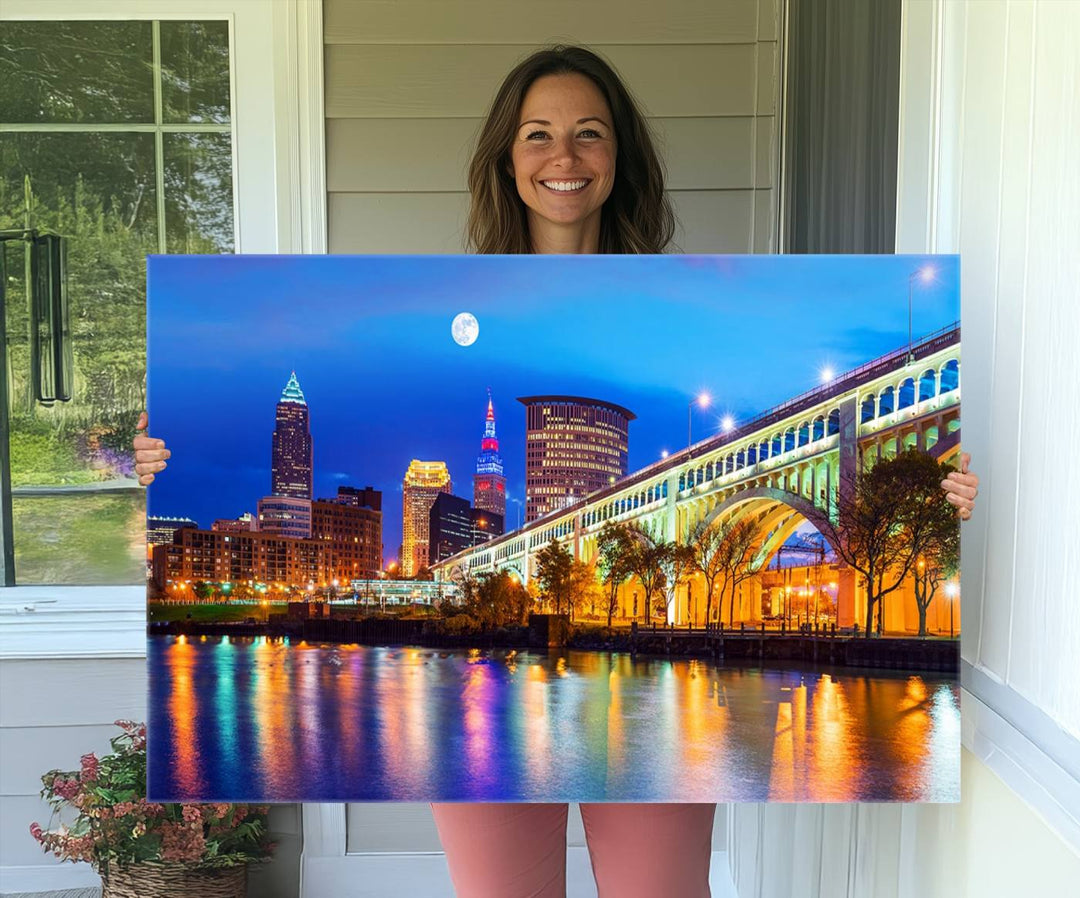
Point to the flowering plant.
(116, 824)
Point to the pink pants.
(519, 850)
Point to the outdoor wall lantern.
(45, 256)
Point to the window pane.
(195, 71)
(198, 193)
(76, 72)
(82, 539)
(98, 191)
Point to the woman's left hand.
(961, 487)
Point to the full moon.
(465, 329)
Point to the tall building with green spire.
(290, 467)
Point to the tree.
(203, 590)
(704, 549)
(723, 552)
(677, 565)
(585, 589)
(553, 565)
(648, 556)
(737, 554)
(886, 518)
(614, 546)
(937, 557)
(498, 600)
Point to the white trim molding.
(1034, 757)
(298, 28)
(38, 622)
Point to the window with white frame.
(118, 136)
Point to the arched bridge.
(781, 469)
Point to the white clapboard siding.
(709, 221)
(527, 22)
(29, 751)
(72, 692)
(395, 155)
(460, 80)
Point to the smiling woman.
(566, 144)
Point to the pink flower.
(65, 788)
(192, 814)
(181, 842)
(36, 831)
(89, 767)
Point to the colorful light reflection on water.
(262, 720)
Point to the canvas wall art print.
(554, 528)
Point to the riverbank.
(888, 653)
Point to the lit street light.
(703, 401)
(951, 592)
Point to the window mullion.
(159, 138)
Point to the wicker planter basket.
(174, 881)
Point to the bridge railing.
(928, 345)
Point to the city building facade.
(291, 460)
(217, 556)
(424, 481)
(367, 497)
(450, 527)
(574, 446)
(160, 530)
(246, 522)
(485, 525)
(285, 516)
(351, 536)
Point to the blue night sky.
(369, 339)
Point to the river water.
(260, 719)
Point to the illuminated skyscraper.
(573, 447)
(489, 484)
(424, 480)
(290, 467)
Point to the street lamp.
(951, 591)
(702, 401)
(728, 424)
(925, 276)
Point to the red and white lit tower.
(489, 484)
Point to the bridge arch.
(513, 569)
(764, 499)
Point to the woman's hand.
(961, 488)
(150, 454)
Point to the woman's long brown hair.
(637, 216)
